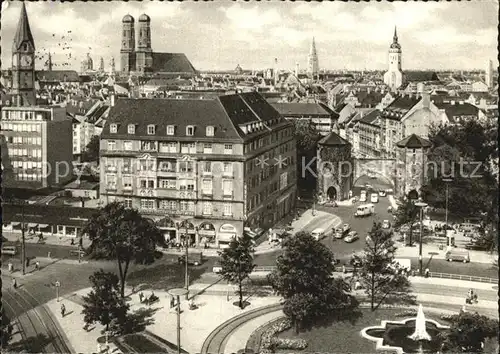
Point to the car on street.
(362, 197)
(386, 224)
(374, 198)
(194, 258)
(457, 255)
(346, 228)
(476, 246)
(217, 268)
(389, 191)
(364, 210)
(351, 237)
(382, 193)
(339, 232)
(318, 234)
(9, 250)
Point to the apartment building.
(205, 168)
(369, 131)
(36, 147)
(322, 117)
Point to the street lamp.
(420, 204)
(446, 181)
(177, 293)
(186, 269)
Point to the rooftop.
(333, 139)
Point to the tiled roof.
(458, 109)
(172, 63)
(421, 76)
(57, 76)
(300, 109)
(370, 117)
(243, 108)
(333, 139)
(414, 142)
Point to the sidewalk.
(196, 325)
(30, 270)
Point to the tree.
(380, 275)
(307, 137)
(304, 278)
(406, 214)
(7, 329)
(237, 262)
(104, 303)
(122, 234)
(468, 332)
(91, 152)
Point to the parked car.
(356, 261)
(362, 197)
(457, 255)
(351, 237)
(9, 250)
(318, 234)
(382, 193)
(346, 228)
(339, 232)
(374, 198)
(386, 224)
(476, 246)
(364, 210)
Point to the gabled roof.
(421, 76)
(172, 63)
(300, 109)
(333, 139)
(414, 142)
(57, 76)
(23, 32)
(370, 118)
(458, 109)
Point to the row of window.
(207, 167)
(26, 164)
(172, 205)
(17, 127)
(171, 147)
(151, 129)
(24, 140)
(22, 115)
(32, 177)
(36, 153)
(270, 139)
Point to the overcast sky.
(222, 34)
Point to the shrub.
(406, 313)
(270, 341)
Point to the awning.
(15, 223)
(43, 226)
(32, 225)
(226, 236)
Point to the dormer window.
(170, 130)
(151, 129)
(113, 128)
(131, 129)
(210, 131)
(190, 130)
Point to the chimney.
(426, 99)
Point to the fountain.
(413, 335)
(420, 330)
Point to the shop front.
(206, 232)
(186, 229)
(226, 234)
(168, 229)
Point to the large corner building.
(215, 166)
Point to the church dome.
(144, 18)
(128, 19)
(395, 46)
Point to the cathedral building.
(394, 77)
(312, 61)
(87, 64)
(142, 60)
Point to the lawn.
(344, 337)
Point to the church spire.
(312, 51)
(49, 63)
(23, 32)
(395, 38)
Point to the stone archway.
(331, 193)
(206, 231)
(167, 227)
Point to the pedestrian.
(14, 283)
(11, 267)
(343, 269)
(63, 310)
(427, 272)
(172, 302)
(27, 261)
(99, 349)
(141, 297)
(37, 265)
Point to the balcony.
(176, 194)
(146, 173)
(228, 195)
(147, 192)
(207, 192)
(111, 187)
(166, 173)
(206, 173)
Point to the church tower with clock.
(23, 62)
(394, 76)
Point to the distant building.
(87, 64)
(36, 147)
(144, 60)
(323, 118)
(394, 75)
(488, 75)
(312, 61)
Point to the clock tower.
(23, 62)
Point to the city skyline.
(218, 36)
